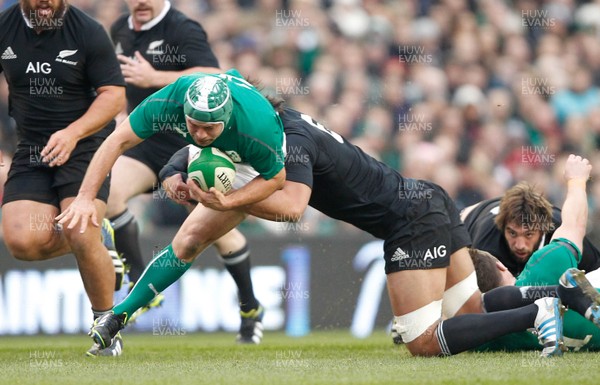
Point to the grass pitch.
(332, 357)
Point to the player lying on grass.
(557, 261)
(544, 269)
(512, 227)
(429, 270)
(545, 266)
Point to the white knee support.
(412, 325)
(458, 295)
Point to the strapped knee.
(456, 296)
(413, 324)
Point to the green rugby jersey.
(255, 135)
(545, 268)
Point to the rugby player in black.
(513, 227)
(156, 44)
(65, 88)
(429, 271)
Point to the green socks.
(164, 270)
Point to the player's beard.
(44, 19)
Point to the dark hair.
(276, 101)
(488, 276)
(522, 205)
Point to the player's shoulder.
(293, 122)
(9, 17)
(489, 207)
(120, 24)
(81, 20)
(175, 20)
(234, 73)
(176, 16)
(481, 213)
(11, 12)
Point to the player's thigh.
(30, 205)
(201, 228)
(461, 266)
(29, 228)
(130, 177)
(461, 293)
(234, 240)
(410, 290)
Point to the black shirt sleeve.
(590, 258)
(300, 157)
(177, 164)
(102, 65)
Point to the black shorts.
(431, 232)
(30, 179)
(156, 151)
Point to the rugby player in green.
(218, 110)
(557, 260)
(579, 333)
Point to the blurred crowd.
(474, 95)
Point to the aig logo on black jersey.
(38, 68)
(66, 53)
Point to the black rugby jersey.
(486, 236)
(172, 43)
(52, 76)
(346, 183)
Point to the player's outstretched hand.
(80, 211)
(577, 167)
(213, 199)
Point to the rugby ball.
(211, 167)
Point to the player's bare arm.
(83, 209)
(575, 208)
(256, 190)
(290, 203)
(140, 73)
(109, 101)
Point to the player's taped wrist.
(577, 182)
